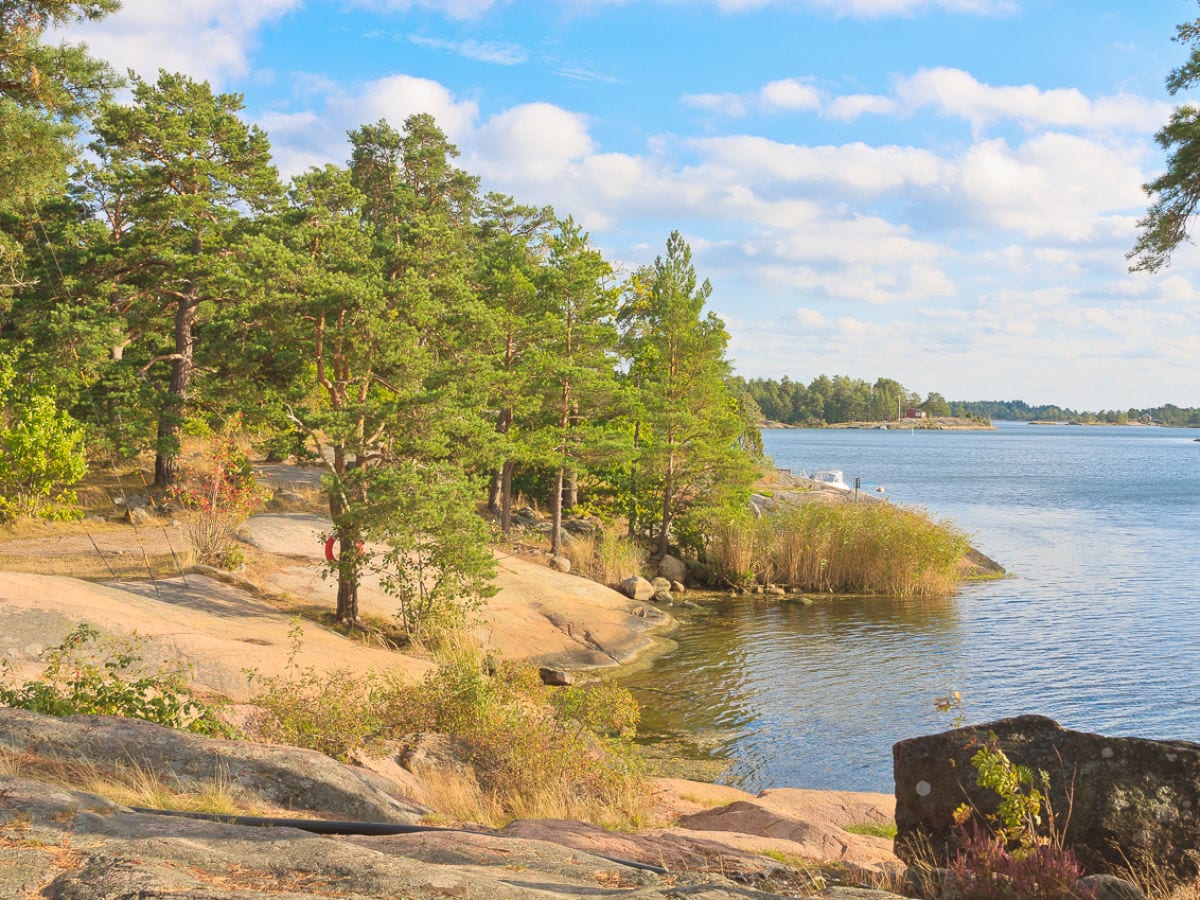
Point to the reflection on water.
(1098, 627)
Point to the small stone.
(637, 588)
(661, 585)
(560, 564)
(775, 590)
(1109, 887)
(662, 597)
(555, 677)
(677, 587)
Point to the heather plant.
(86, 674)
(219, 498)
(986, 868)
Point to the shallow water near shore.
(1099, 627)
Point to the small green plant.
(89, 675)
(1022, 795)
(334, 713)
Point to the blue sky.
(939, 191)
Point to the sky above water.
(938, 191)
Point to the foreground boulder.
(1126, 800)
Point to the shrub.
(1013, 852)
(220, 499)
(534, 752)
(85, 675)
(41, 449)
(438, 564)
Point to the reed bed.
(846, 548)
(608, 556)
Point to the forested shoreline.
(834, 400)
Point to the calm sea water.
(1099, 628)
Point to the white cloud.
(783, 95)
(397, 97)
(855, 166)
(1052, 185)
(953, 92)
(874, 9)
(206, 39)
(454, 9)
(535, 141)
(732, 105)
(501, 54)
(790, 93)
(850, 106)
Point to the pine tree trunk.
(347, 544)
(556, 519)
(347, 597)
(571, 490)
(506, 497)
(495, 486)
(664, 536)
(170, 418)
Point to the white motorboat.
(832, 478)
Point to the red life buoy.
(331, 542)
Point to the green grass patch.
(874, 829)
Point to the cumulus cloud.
(855, 166)
(1052, 185)
(953, 92)
(397, 97)
(850, 106)
(207, 39)
(790, 93)
(725, 104)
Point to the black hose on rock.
(372, 829)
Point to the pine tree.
(177, 174)
(688, 454)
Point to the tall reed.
(607, 556)
(849, 548)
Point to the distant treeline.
(832, 400)
(1018, 410)
(829, 401)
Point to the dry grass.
(608, 556)
(1157, 883)
(132, 785)
(92, 567)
